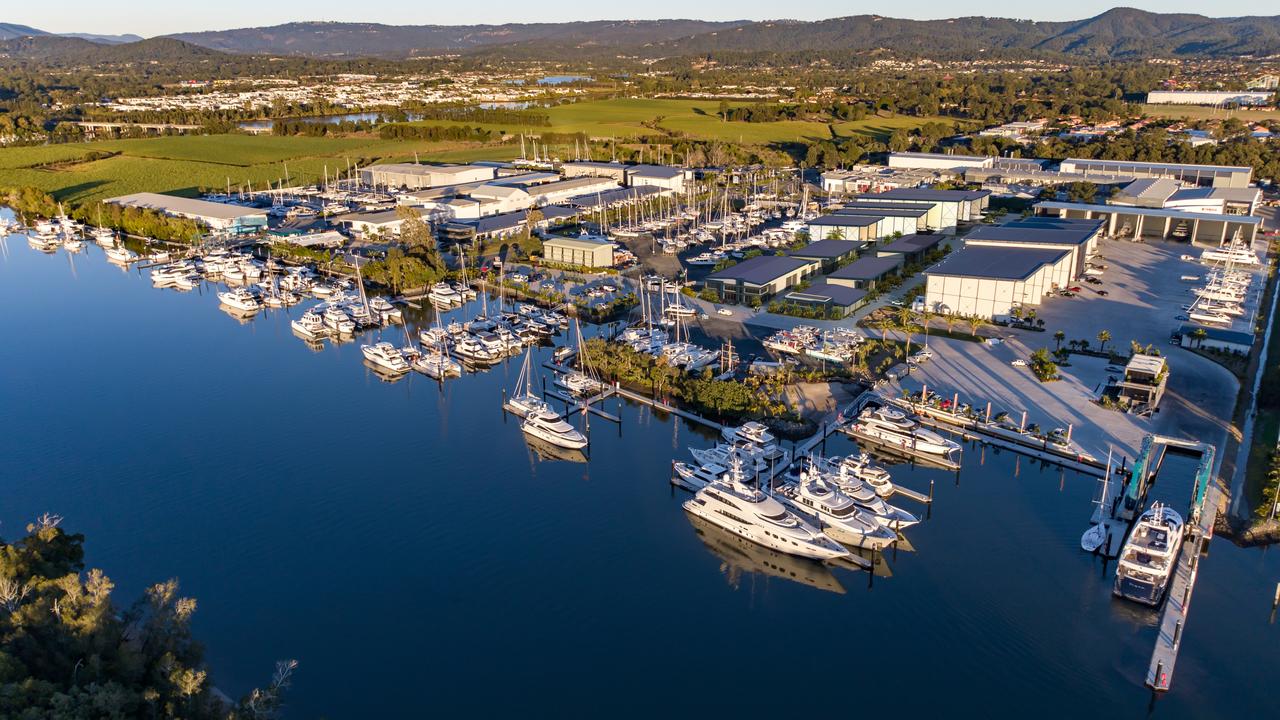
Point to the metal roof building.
(219, 216)
(1211, 175)
(865, 272)
(760, 278)
(990, 280)
(837, 300)
(1211, 229)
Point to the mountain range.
(1122, 33)
(10, 31)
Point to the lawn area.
(626, 117)
(1202, 112)
(184, 164)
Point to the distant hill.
(1118, 33)
(62, 49)
(370, 39)
(9, 31)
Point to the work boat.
(310, 325)
(895, 429)
(1148, 557)
(751, 432)
(838, 514)
(743, 510)
(386, 356)
(240, 299)
(548, 426)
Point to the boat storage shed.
(414, 176)
(218, 216)
(760, 278)
(990, 280)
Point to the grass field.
(1201, 112)
(184, 164)
(627, 117)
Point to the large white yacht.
(893, 428)
(756, 459)
(240, 299)
(436, 365)
(891, 516)
(338, 321)
(743, 510)
(386, 356)
(579, 383)
(1148, 557)
(864, 468)
(1235, 254)
(839, 515)
(470, 348)
(550, 427)
(121, 254)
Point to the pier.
(1199, 531)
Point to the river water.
(404, 543)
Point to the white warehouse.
(416, 177)
(989, 281)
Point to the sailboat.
(580, 382)
(1096, 535)
(523, 402)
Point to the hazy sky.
(159, 17)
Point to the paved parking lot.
(1145, 295)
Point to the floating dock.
(1199, 531)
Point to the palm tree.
(976, 322)
(925, 317)
(1199, 334)
(904, 319)
(1058, 337)
(950, 319)
(1103, 337)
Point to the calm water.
(406, 546)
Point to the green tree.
(1058, 337)
(1103, 337)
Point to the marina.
(601, 494)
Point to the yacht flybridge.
(822, 501)
(1148, 557)
(743, 510)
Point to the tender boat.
(1149, 555)
(386, 356)
(730, 503)
(550, 427)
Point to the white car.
(1019, 363)
(923, 355)
(725, 311)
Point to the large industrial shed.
(900, 219)
(218, 216)
(1078, 237)
(1208, 175)
(1207, 229)
(843, 226)
(946, 208)
(989, 281)
(830, 253)
(416, 177)
(584, 250)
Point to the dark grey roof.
(931, 194)
(1016, 232)
(498, 223)
(839, 295)
(996, 263)
(1051, 222)
(1219, 334)
(867, 268)
(884, 210)
(828, 249)
(843, 220)
(911, 243)
(760, 270)
(665, 172)
(608, 197)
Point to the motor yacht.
(470, 348)
(893, 428)
(434, 337)
(435, 364)
(444, 294)
(550, 427)
(839, 515)
(891, 516)
(862, 467)
(757, 459)
(241, 299)
(338, 321)
(740, 557)
(386, 356)
(750, 432)
(579, 383)
(390, 313)
(1234, 254)
(1149, 555)
(734, 505)
(310, 324)
(693, 476)
(120, 254)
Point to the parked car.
(1075, 289)
(922, 356)
(1019, 363)
(725, 311)
(1093, 280)
(1103, 293)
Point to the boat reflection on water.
(313, 344)
(386, 376)
(243, 316)
(740, 555)
(546, 451)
